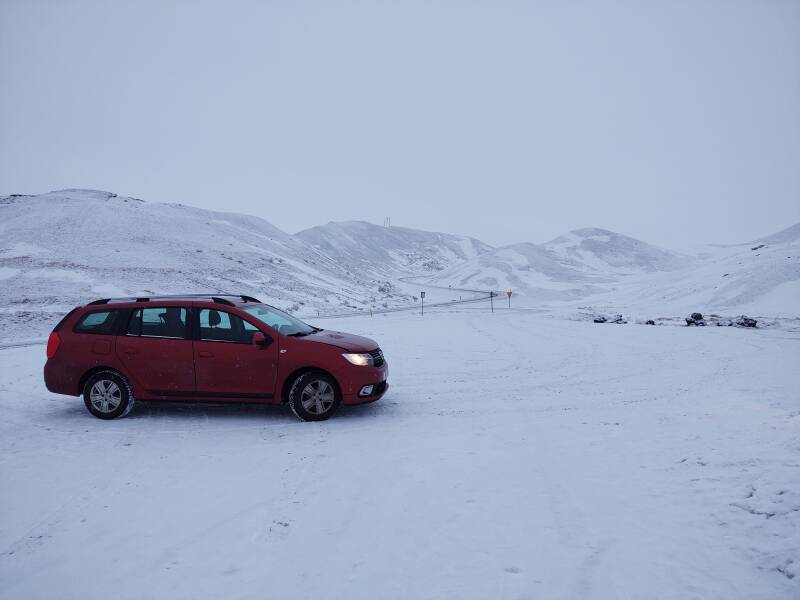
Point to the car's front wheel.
(314, 396)
(107, 395)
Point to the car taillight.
(53, 342)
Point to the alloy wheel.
(317, 397)
(105, 396)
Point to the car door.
(157, 352)
(227, 363)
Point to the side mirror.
(259, 339)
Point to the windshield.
(279, 320)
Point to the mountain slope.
(612, 272)
(574, 265)
(761, 279)
(63, 248)
(528, 269)
(788, 235)
(391, 251)
(605, 251)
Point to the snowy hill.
(527, 268)
(391, 251)
(63, 248)
(574, 265)
(761, 278)
(606, 252)
(615, 273)
(785, 236)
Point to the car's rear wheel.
(108, 395)
(314, 396)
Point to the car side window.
(165, 322)
(102, 322)
(221, 326)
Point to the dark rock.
(743, 321)
(649, 322)
(759, 247)
(695, 319)
(600, 319)
(619, 320)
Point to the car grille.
(377, 357)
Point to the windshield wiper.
(305, 333)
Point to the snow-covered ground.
(514, 456)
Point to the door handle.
(204, 354)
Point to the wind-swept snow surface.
(514, 456)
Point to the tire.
(108, 395)
(314, 396)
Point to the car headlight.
(362, 360)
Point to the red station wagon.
(208, 348)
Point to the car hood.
(346, 341)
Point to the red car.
(208, 348)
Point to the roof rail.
(219, 300)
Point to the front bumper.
(355, 379)
(378, 390)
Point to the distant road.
(444, 287)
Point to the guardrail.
(488, 295)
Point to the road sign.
(422, 294)
(508, 293)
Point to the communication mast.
(387, 222)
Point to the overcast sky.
(676, 122)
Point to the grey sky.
(676, 122)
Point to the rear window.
(102, 322)
(167, 322)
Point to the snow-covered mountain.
(574, 265)
(761, 278)
(784, 236)
(605, 251)
(613, 272)
(391, 251)
(63, 248)
(533, 270)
